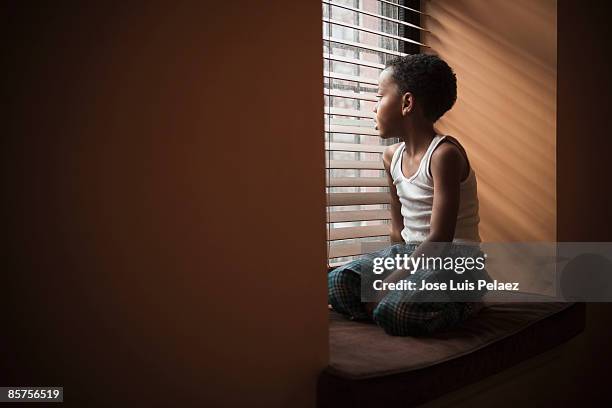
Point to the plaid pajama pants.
(403, 313)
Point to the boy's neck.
(417, 137)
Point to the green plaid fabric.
(402, 313)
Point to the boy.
(433, 199)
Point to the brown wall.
(504, 56)
(163, 171)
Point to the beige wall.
(504, 55)
(165, 207)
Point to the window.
(359, 36)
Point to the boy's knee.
(390, 318)
(341, 278)
(334, 281)
(344, 290)
(409, 319)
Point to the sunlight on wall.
(505, 113)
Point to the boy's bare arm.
(397, 223)
(447, 167)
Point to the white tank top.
(416, 197)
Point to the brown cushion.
(365, 362)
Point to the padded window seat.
(369, 368)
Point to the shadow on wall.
(506, 108)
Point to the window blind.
(359, 36)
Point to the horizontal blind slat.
(363, 96)
(333, 265)
(356, 248)
(355, 164)
(349, 112)
(353, 130)
(353, 147)
(335, 234)
(352, 78)
(357, 198)
(364, 46)
(359, 215)
(363, 63)
(357, 182)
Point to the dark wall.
(163, 201)
(584, 166)
(584, 127)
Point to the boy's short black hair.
(429, 79)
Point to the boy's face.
(391, 107)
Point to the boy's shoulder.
(388, 154)
(449, 157)
(451, 149)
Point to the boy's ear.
(407, 103)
